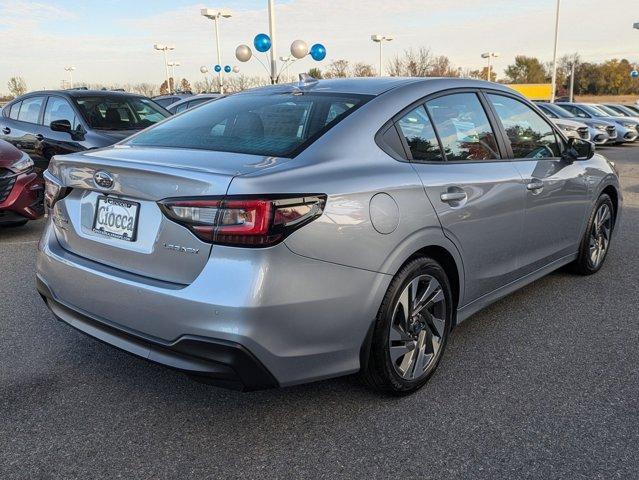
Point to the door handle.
(6, 130)
(450, 197)
(39, 137)
(535, 185)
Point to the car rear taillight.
(244, 221)
(53, 192)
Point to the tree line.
(611, 77)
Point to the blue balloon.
(227, 69)
(318, 52)
(262, 42)
(634, 74)
(217, 68)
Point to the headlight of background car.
(601, 127)
(567, 128)
(23, 164)
(630, 126)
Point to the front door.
(556, 188)
(478, 196)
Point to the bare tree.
(363, 70)
(146, 89)
(237, 83)
(442, 67)
(412, 63)
(17, 86)
(338, 69)
(165, 89)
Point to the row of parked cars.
(39, 125)
(599, 123)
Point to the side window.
(15, 110)
(463, 127)
(59, 109)
(181, 107)
(548, 113)
(30, 111)
(415, 126)
(530, 135)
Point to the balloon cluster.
(299, 49)
(226, 68)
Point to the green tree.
(526, 70)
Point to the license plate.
(116, 218)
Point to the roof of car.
(86, 93)
(374, 85)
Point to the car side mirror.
(579, 149)
(61, 126)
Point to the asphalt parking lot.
(543, 384)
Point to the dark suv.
(43, 124)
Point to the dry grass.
(630, 99)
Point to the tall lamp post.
(377, 38)
(173, 65)
(554, 55)
(489, 56)
(215, 15)
(165, 48)
(70, 69)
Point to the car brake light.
(54, 191)
(244, 221)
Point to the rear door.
(21, 128)
(59, 143)
(477, 194)
(556, 188)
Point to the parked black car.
(170, 98)
(56, 122)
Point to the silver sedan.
(299, 232)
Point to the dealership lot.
(543, 384)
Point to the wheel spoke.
(431, 296)
(405, 367)
(436, 326)
(397, 352)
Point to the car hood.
(621, 120)
(569, 123)
(591, 122)
(8, 154)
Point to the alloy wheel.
(600, 236)
(417, 327)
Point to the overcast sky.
(111, 41)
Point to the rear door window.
(30, 110)
(529, 134)
(15, 110)
(420, 136)
(463, 127)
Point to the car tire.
(595, 244)
(408, 343)
(19, 223)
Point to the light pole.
(377, 38)
(215, 14)
(489, 56)
(173, 65)
(70, 69)
(554, 56)
(165, 48)
(271, 32)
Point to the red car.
(21, 188)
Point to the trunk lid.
(140, 177)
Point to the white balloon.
(236, 69)
(243, 53)
(204, 69)
(299, 49)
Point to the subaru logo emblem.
(103, 179)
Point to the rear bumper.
(301, 319)
(24, 199)
(221, 363)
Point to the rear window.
(120, 113)
(259, 124)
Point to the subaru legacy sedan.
(299, 232)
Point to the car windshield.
(626, 111)
(270, 124)
(609, 110)
(557, 110)
(594, 111)
(120, 112)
